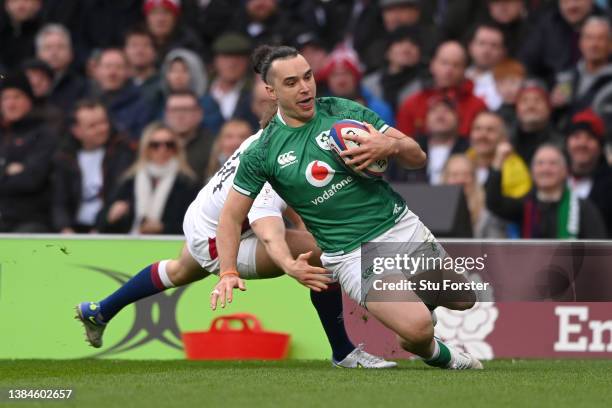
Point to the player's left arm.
(391, 143)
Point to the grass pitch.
(120, 383)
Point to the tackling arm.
(271, 233)
(234, 211)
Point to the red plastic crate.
(222, 342)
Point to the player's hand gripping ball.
(338, 144)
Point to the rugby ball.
(338, 144)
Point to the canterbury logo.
(286, 159)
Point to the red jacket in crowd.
(412, 112)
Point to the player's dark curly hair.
(265, 55)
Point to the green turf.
(114, 383)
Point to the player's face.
(293, 86)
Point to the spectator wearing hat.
(448, 72)
(554, 38)
(162, 21)
(589, 82)
(229, 94)
(402, 73)
(370, 41)
(263, 21)
(590, 176)
(54, 47)
(533, 126)
(139, 48)
(40, 76)
(181, 71)
(128, 110)
(88, 168)
(486, 50)
(26, 147)
(490, 149)
(509, 76)
(19, 22)
(342, 78)
(551, 210)
(441, 141)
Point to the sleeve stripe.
(241, 190)
(384, 128)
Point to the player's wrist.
(229, 273)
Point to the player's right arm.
(234, 211)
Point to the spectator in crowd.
(162, 17)
(18, 28)
(490, 149)
(486, 51)
(231, 136)
(183, 114)
(139, 48)
(533, 126)
(182, 70)
(157, 189)
(123, 100)
(402, 73)
(54, 46)
(341, 76)
(589, 82)
(87, 169)
(459, 170)
(509, 78)
(370, 41)
(264, 21)
(40, 76)
(441, 141)
(551, 210)
(229, 95)
(448, 71)
(553, 40)
(590, 176)
(26, 147)
(511, 18)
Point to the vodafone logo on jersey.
(319, 173)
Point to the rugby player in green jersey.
(339, 208)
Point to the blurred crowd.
(113, 114)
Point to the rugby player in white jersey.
(339, 208)
(264, 243)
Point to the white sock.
(163, 274)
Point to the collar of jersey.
(282, 122)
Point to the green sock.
(441, 356)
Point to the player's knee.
(179, 274)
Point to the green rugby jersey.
(341, 210)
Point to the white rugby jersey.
(206, 208)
